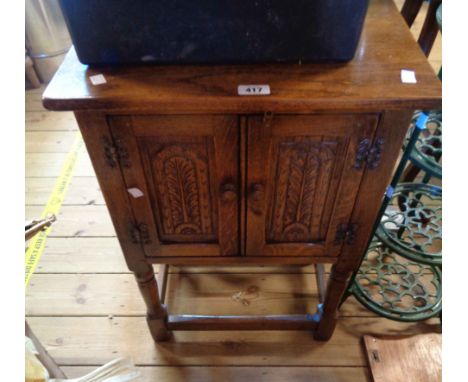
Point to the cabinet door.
(182, 173)
(302, 182)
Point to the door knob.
(228, 192)
(257, 192)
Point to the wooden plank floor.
(84, 306)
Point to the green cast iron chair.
(412, 223)
(396, 288)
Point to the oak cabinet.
(189, 178)
(195, 174)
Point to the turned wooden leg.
(156, 312)
(337, 284)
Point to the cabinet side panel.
(364, 127)
(392, 129)
(126, 149)
(95, 133)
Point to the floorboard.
(82, 191)
(96, 340)
(82, 255)
(194, 293)
(49, 141)
(40, 165)
(78, 221)
(240, 374)
(50, 121)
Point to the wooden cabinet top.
(370, 82)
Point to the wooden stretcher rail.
(273, 322)
(241, 260)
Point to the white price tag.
(135, 192)
(408, 76)
(98, 79)
(253, 90)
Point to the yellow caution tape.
(37, 243)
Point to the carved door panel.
(303, 175)
(182, 174)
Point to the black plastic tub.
(214, 31)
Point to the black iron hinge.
(346, 233)
(115, 152)
(139, 233)
(369, 154)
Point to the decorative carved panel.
(303, 173)
(180, 174)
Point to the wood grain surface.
(416, 358)
(371, 81)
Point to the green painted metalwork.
(412, 223)
(395, 288)
(427, 151)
